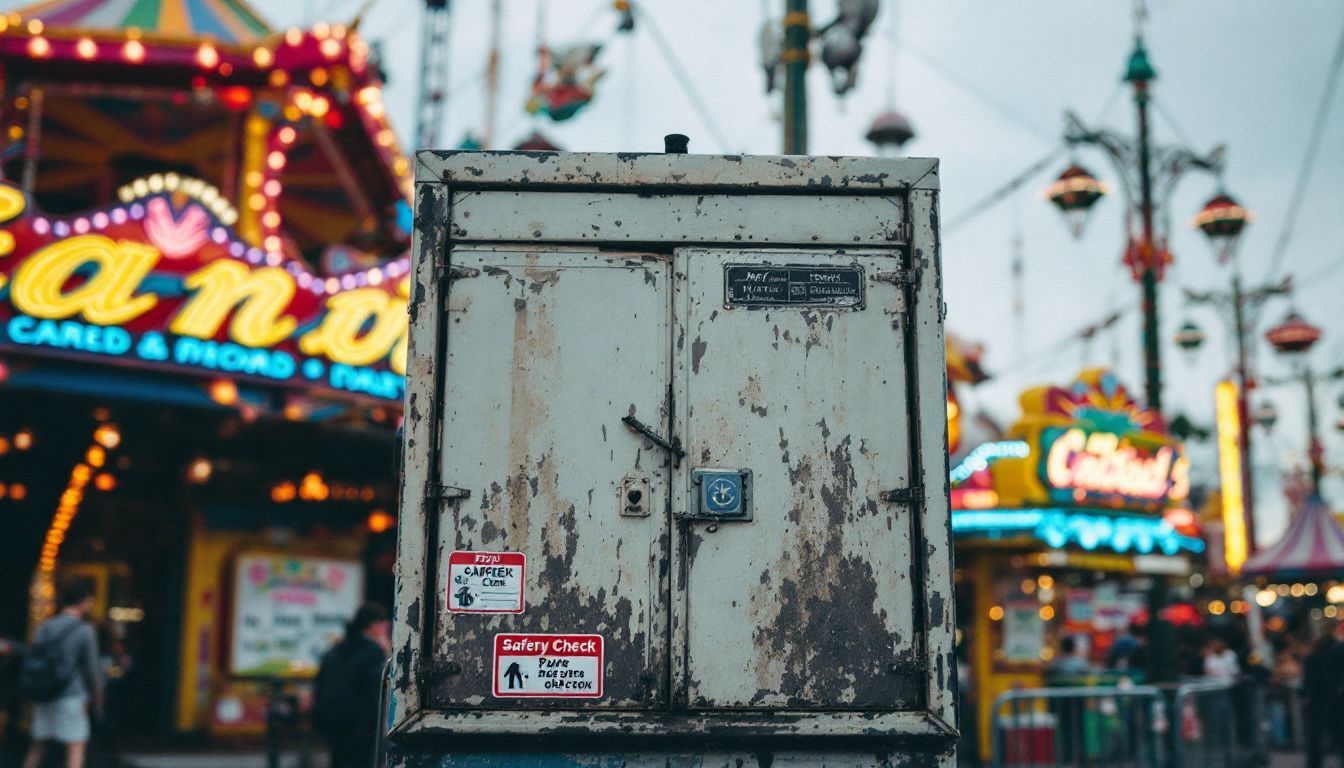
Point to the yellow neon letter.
(107, 297)
(12, 204)
(1229, 467)
(1180, 479)
(259, 297)
(397, 361)
(1057, 469)
(339, 338)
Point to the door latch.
(673, 447)
(907, 276)
(441, 492)
(909, 495)
(433, 671)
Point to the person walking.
(1220, 662)
(1072, 660)
(348, 689)
(60, 675)
(1323, 685)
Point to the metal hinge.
(452, 272)
(908, 276)
(672, 446)
(433, 671)
(441, 492)
(908, 666)
(909, 495)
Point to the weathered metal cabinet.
(675, 464)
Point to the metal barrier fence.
(1286, 713)
(1112, 727)
(1195, 724)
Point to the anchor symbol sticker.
(723, 493)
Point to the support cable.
(973, 90)
(684, 80)
(1003, 192)
(1059, 346)
(1170, 120)
(1308, 159)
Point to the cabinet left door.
(546, 351)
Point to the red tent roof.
(1313, 545)
(226, 21)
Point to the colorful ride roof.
(225, 21)
(290, 125)
(1313, 546)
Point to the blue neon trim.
(1088, 530)
(985, 453)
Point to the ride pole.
(1243, 406)
(797, 32)
(1161, 634)
(1315, 450)
(1140, 73)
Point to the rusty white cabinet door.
(810, 604)
(532, 429)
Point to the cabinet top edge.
(744, 173)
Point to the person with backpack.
(59, 674)
(348, 687)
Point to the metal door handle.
(673, 447)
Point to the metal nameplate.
(751, 286)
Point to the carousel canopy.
(290, 126)
(1312, 546)
(227, 21)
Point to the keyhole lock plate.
(721, 494)
(634, 497)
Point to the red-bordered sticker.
(486, 582)
(556, 666)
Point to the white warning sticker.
(561, 666)
(486, 582)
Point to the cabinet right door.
(791, 364)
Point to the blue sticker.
(723, 493)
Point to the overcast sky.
(985, 85)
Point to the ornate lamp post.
(1266, 415)
(1222, 220)
(841, 43)
(1189, 337)
(1148, 175)
(1294, 337)
(1074, 193)
(889, 131)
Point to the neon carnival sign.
(163, 281)
(1099, 447)
(1087, 465)
(1088, 444)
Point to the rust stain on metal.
(813, 608)
(698, 348)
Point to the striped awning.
(1313, 545)
(227, 21)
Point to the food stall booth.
(1059, 528)
(203, 291)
